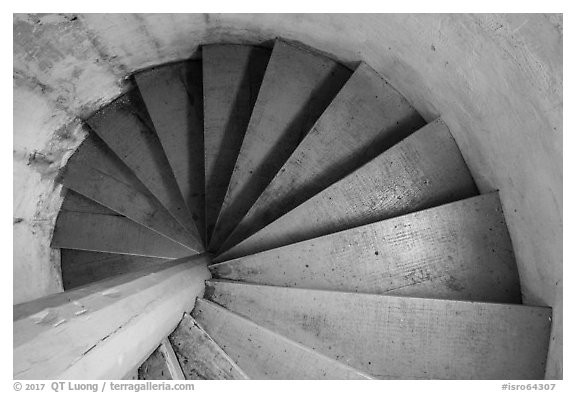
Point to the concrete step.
(125, 127)
(98, 174)
(400, 337)
(199, 356)
(78, 203)
(298, 86)
(263, 354)
(459, 251)
(80, 268)
(232, 78)
(424, 170)
(367, 117)
(173, 98)
(161, 365)
(83, 224)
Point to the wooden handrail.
(106, 329)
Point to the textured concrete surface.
(232, 79)
(297, 87)
(264, 354)
(424, 170)
(365, 118)
(173, 97)
(392, 337)
(495, 79)
(458, 251)
(199, 356)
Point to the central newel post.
(107, 329)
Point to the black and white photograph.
(286, 196)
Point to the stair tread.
(84, 267)
(125, 127)
(199, 356)
(77, 203)
(263, 354)
(155, 367)
(297, 86)
(95, 172)
(400, 337)
(365, 118)
(112, 234)
(350, 239)
(232, 78)
(459, 251)
(162, 364)
(173, 98)
(424, 170)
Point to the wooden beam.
(105, 330)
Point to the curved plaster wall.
(495, 79)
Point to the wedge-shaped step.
(199, 356)
(367, 117)
(459, 251)
(297, 87)
(232, 78)
(173, 97)
(96, 173)
(85, 267)
(263, 354)
(401, 337)
(125, 127)
(424, 170)
(83, 224)
(161, 365)
(77, 203)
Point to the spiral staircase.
(346, 237)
